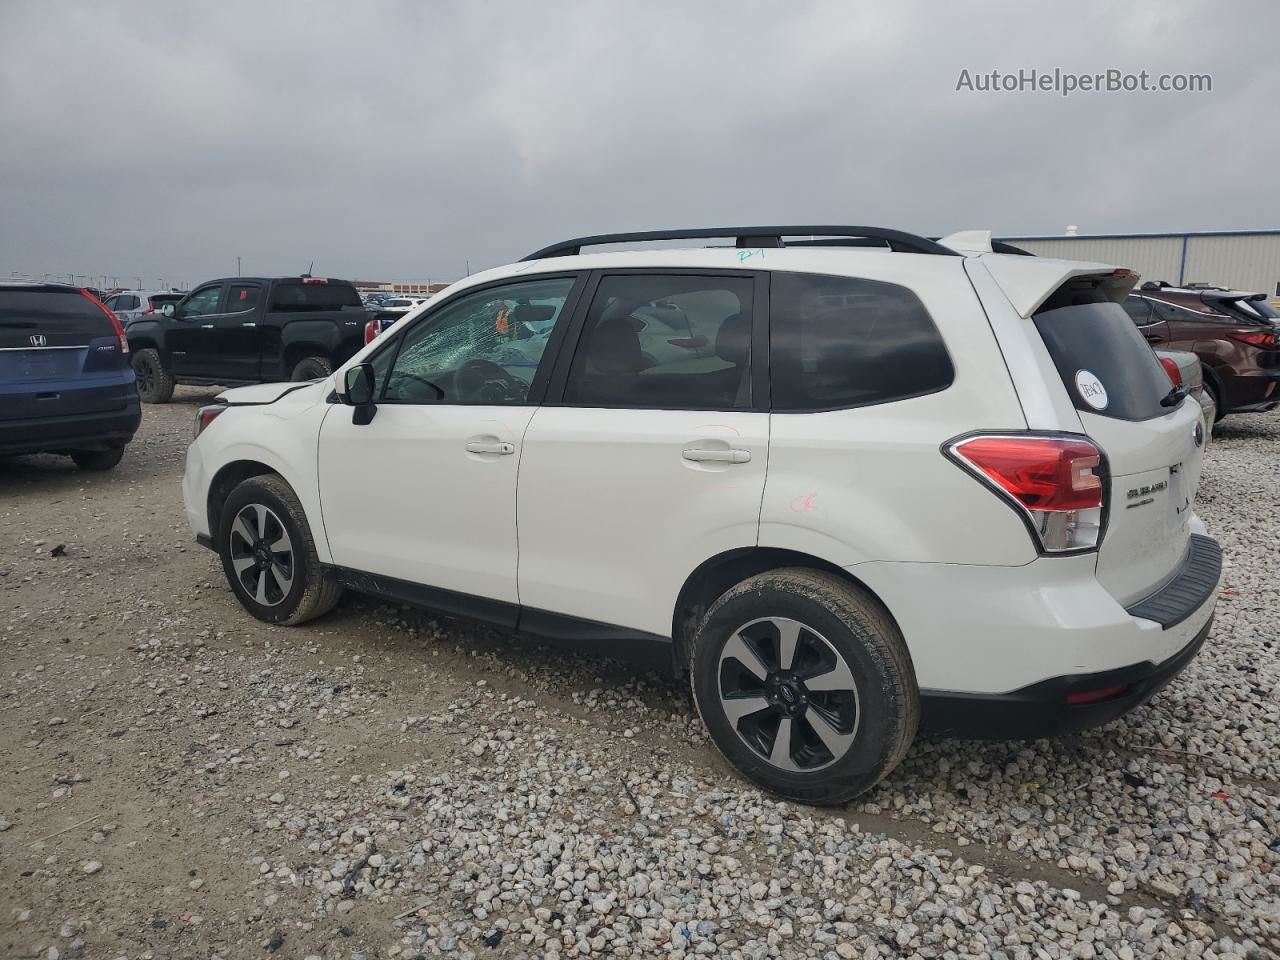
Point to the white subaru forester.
(859, 484)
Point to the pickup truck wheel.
(311, 368)
(98, 459)
(269, 555)
(805, 684)
(155, 383)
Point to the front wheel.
(269, 555)
(805, 685)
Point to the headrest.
(615, 347)
(733, 341)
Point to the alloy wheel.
(261, 554)
(146, 375)
(788, 694)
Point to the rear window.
(160, 299)
(843, 342)
(1105, 363)
(63, 318)
(1256, 309)
(295, 296)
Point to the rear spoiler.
(1029, 281)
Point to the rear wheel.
(98, 459)
(155, 383)
(269, 555)
(805, 685)
(311, 368)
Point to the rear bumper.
(1045, 709)
(87, 431)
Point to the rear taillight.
(1171, 368)
(1264, 339)
(115, 321)
(1051, 480)
(371, 330)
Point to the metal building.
(1242, 259)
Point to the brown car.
(1235, 334)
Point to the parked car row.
(1232, 332)
(852, 493)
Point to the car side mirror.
(170, 310)
(359, 384)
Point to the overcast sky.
(398, 140)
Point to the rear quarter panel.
(871, 483)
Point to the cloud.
(400, 140)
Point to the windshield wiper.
(1174, 396)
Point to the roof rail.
(896, 240)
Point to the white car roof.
(1027, 281)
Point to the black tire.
(155, 383)
(311, 591)
(881, 713)
(97, 459)
(311, 368)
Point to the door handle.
(206, 326)
(248, 324)
(484, 446)
(699, 455)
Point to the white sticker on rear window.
(1091, 389)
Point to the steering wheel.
(486, 382)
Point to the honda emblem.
(38, 340)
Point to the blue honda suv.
(66, 385)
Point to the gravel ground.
(181, 780)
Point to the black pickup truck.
(247, 330)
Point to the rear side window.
(1105, 364)
(296, 296)
(63, 318)
(663, 341)
(844, 342)
(244, 296)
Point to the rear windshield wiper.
(1174, 396)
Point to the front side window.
(483, 347)
(665, 342)
(202, 302)
(845, 342)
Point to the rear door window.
(50, 318)
(1105, 364)
(840, 342)
(243, 296)
(666, 342)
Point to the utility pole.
(237, 266)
